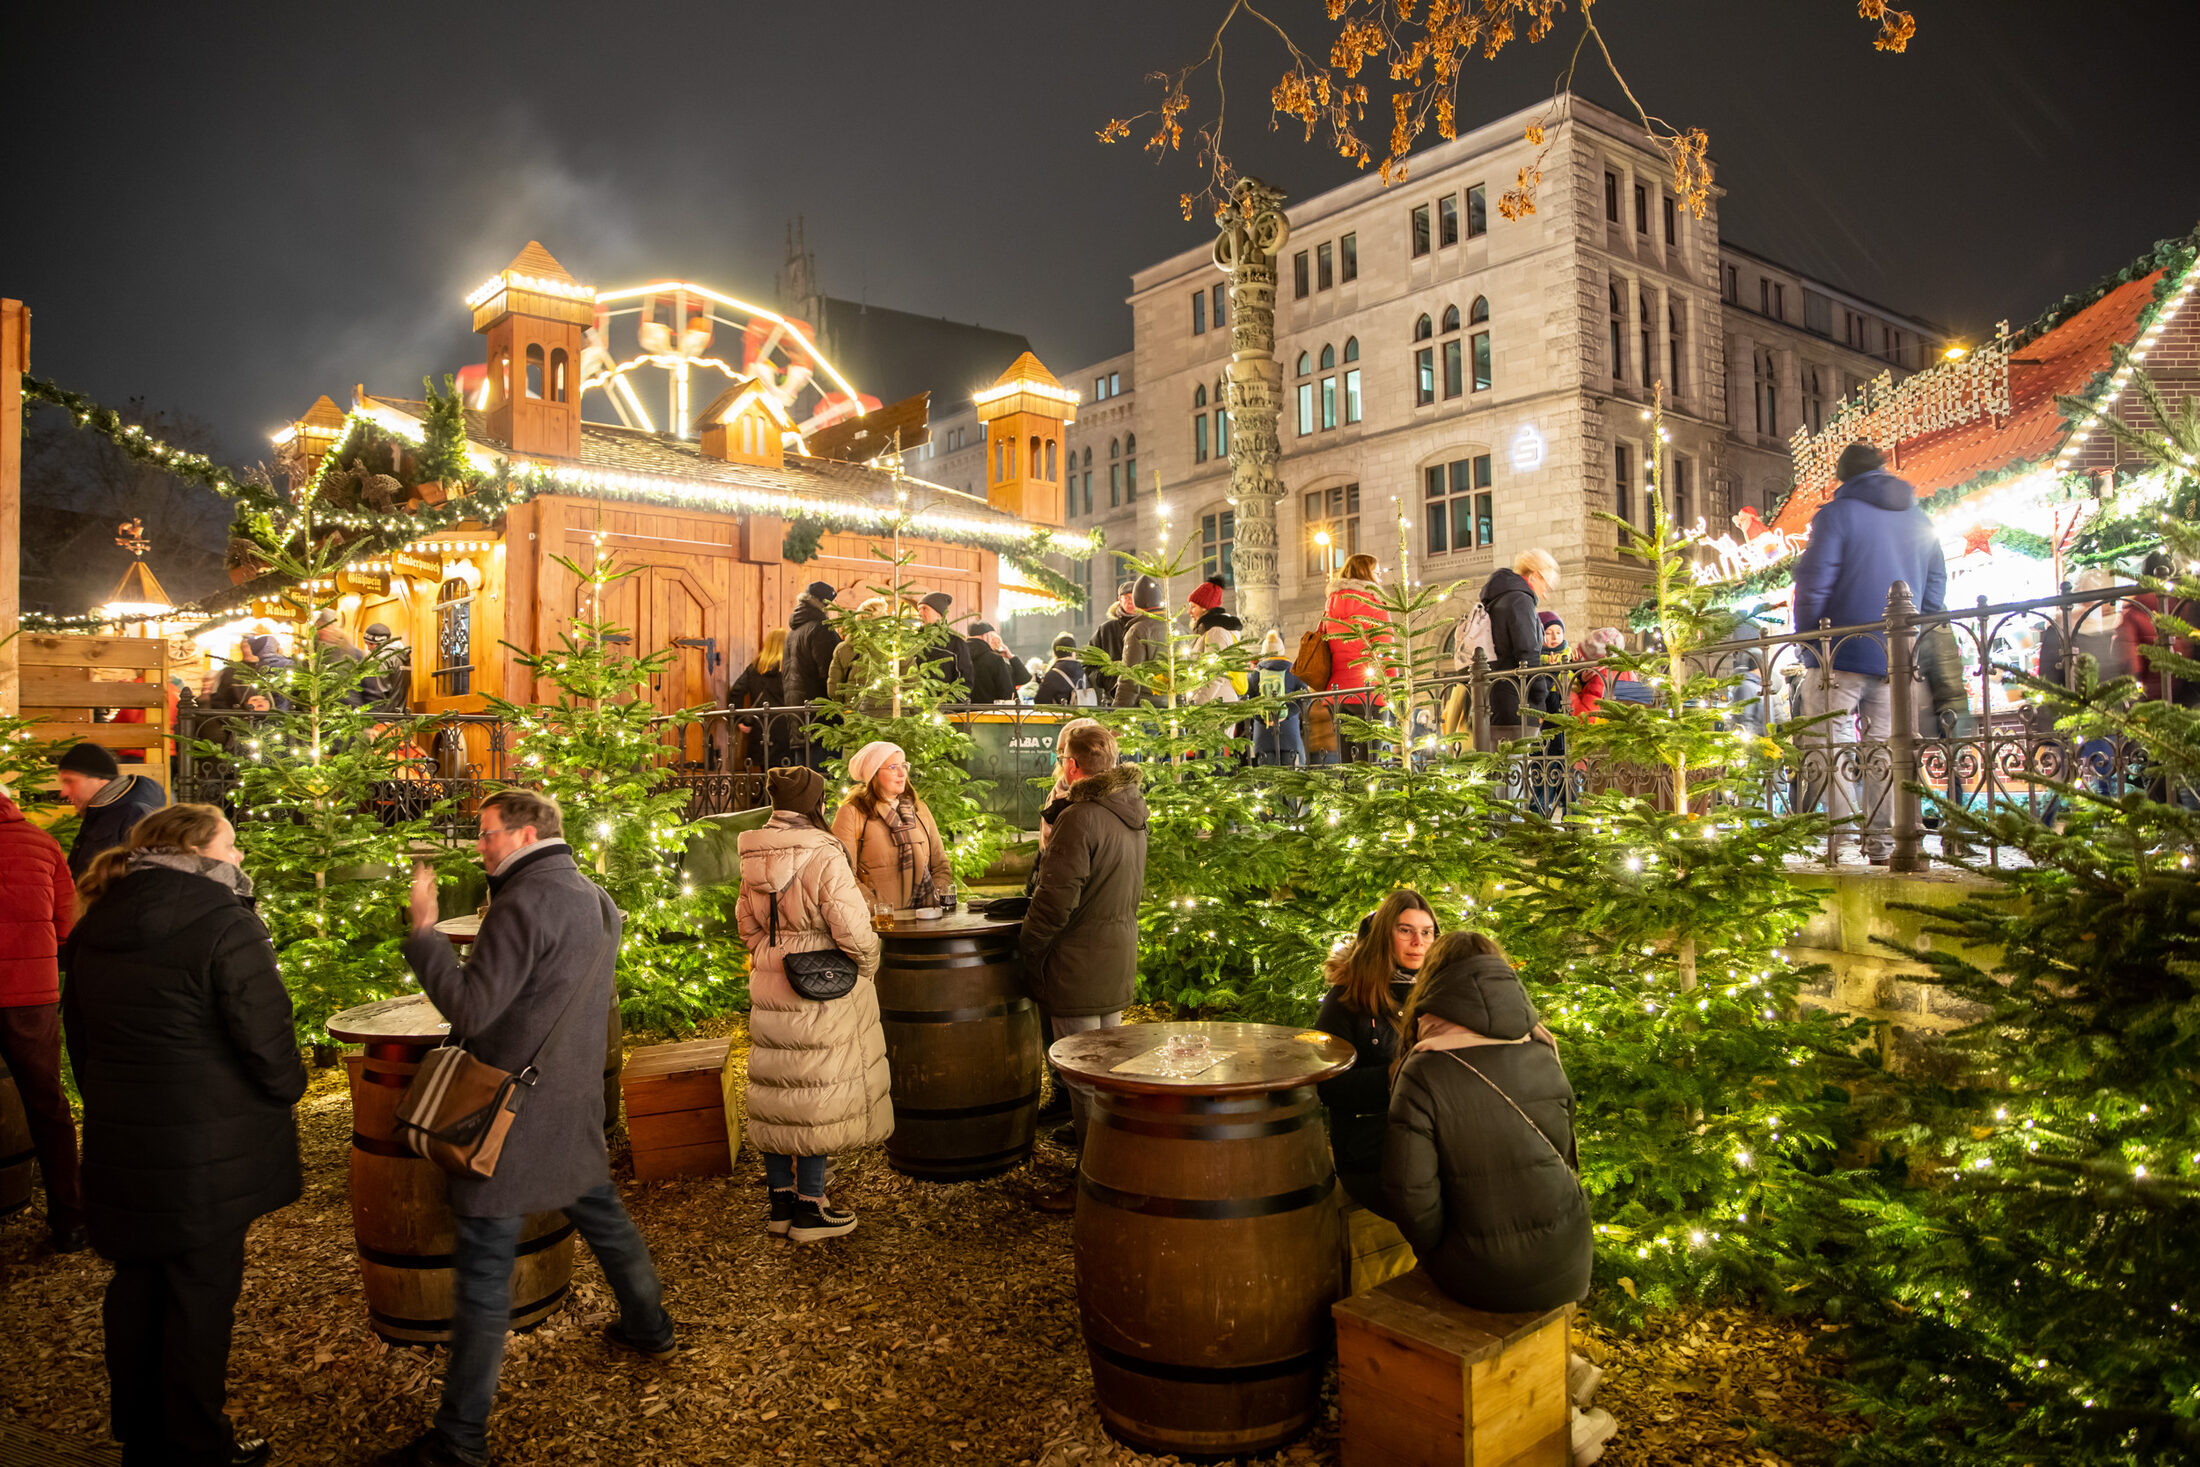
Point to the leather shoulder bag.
(818, 976)
(458, 1110)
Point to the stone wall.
(1868, 979)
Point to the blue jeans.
(804, 1175)
(483, 1312)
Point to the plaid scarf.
(901, 822)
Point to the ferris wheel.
(652, 342)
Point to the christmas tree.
(1255, 874)
(599, 749)
(898, 681)
(2034, 1294)
(1648, 917)
(319, 831)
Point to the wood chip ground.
(944, 1330)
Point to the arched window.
(1130, 465)
(1480, 311)
(1451, 318)
(504, 377)
(1088, 457)
(1222, 419)
(1351, 379)
(1329, 356)
(558, 389)
(1306, 363)
(1115, 448)
(1352, 348)
(1199, 395)
(454, 637)
(1422, 329)
(1051, 467)
(1035, 460)
(1130, 443)
(534, 371)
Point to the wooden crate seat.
(1375, 1252)
(1424, 1381)
(678, 1115)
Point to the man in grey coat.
(1080, 938)
(548, 945)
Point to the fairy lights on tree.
(601, 749)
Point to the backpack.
(1474, 635)
(1312, 664)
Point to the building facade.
(1459, 387)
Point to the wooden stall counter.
(400, 1211)
(962, 1042)
(1206, 1238)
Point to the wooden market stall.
(701, 517)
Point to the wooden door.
(680, 624)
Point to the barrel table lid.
(411, 1017)
(958, 923)
(1256, 1057)
(461, 929)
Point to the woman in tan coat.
(817, 1069)
(890, 836)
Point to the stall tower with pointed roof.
(533, 313)
(1024, 413)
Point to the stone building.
(1486, 380)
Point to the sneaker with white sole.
(815, 1221)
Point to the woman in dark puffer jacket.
(180, 1032)
(1479, 1163)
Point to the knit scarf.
(226, 873)
(901, 822)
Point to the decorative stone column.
(1253, 233)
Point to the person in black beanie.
(995, 674)
(1066, 678)
(811, 642)
(951, 658)
(109, 801)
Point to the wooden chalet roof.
(635, 451)
(2059, 362)
(539, 262)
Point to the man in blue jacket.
(1868, 536)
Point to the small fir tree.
(897, 687)
(321, 828)
(2034, 1294)
(1650, 928)
(599, 749)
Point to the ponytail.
(106, 869)
(173, 827)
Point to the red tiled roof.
(2057, 363)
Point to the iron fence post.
(1478, 699)
(1908, 816)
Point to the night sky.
(230, 215)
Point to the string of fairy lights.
(368, 536)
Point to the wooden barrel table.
(1207, 1245)
(16, 1152)
(400, 1212)
(962, 1042)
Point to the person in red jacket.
(1354, 666)
(37, 908)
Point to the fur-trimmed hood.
(1117, 791)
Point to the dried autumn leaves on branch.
(1424, 47)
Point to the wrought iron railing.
(1949, 716)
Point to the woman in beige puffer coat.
(817, 1070)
